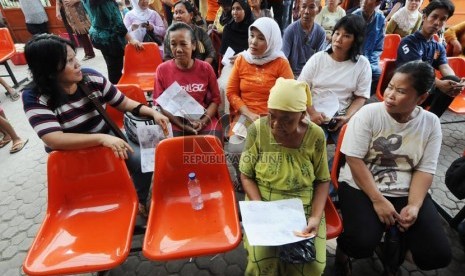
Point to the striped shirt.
(77, 114)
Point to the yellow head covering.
(290, 95)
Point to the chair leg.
(12, 76)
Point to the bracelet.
(136, 110)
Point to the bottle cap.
(192, 176)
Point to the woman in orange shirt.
(254, 72)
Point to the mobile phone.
(332, 123)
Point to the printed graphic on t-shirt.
(384, 166)
(193, 87)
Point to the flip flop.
(4, 142)
(18, 146)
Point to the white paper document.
(240, 127)
(178, 102)
(227, 55)
(326, 102)
(149, 137)
(273, 223)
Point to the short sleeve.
(429, 160)
(407, 51)
(358, 135)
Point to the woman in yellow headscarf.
(285, 157)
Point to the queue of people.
(391, 147)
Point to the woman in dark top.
(235, 33)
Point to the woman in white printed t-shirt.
(391, 149)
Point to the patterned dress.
(284, 173)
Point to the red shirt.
(199, 81)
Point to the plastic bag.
(298, 252)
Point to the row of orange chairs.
(92, 206)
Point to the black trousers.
(278, 10)
(363, 230)
(37, 28)
(439, 101)
(114, 57)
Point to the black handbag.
(298, 252)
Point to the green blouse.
(281, 172)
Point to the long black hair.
(355, 25)
(46, 55)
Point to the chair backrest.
(91, 211)
(87, 177)
(172, 221)
(385, 78)
(333, 221)
(458, 65)
(143, 61)
(391, 43)
(339, 158)
(131, 91)
(7, 46)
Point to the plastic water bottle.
(195, 192)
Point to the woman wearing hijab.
(299, 170)
(254, 72)
(235, 33)
(407, 20)
(235, 36)
(143, 23)
(76, 21)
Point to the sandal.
(4, 142)
(18, 146)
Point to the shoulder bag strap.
(93, 99)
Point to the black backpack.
(455, 178)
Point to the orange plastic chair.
(391, 43)
(140, 66)
(338, 159)
(174, 229)
(386, 75)
(458, 65)
(131, 91)
(333, 221)
(7, 50)
(91, 212)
